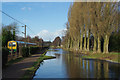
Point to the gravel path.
(18, 69)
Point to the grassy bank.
(31, 71)
(55, 47)
(112, 57)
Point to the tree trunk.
(88, 40)
(68, 43)
(78, 44)
(71, 44)
(85, 42)
(104, 47)
(74, 44)
(106, 43)
(81, 40)
(94, 48)
(99, 45)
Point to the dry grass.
(113, 57)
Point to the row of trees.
(57, 41)
(9, 33)
(86, 19)
(35, 39)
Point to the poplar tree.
(93, 24)
(110, 23)
(98, 19)
(81, 24)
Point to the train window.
(12, 44)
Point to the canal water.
(70, 65)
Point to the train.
(14, 45)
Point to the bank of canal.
(68, 65)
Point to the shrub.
(25, 51)
(114, 43)
(33, 50)
(5, 52)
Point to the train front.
(12, 46)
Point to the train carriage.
(15, 45)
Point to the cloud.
(26, 8)
(47, 35)
(29, 8)
(23, 8)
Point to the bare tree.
(110, 24)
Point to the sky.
(60, 0)
(45, 19)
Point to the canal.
(70, 65)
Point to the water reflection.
(78, 68)
(68, 65)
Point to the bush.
(114, 44)
(5, 52)
(33, 50)
(25, 51)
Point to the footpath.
(17, 70)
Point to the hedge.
(33, 50)
(25, 51)
(5, 52)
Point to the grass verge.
(112, 57)
(31, 71)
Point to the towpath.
(17, 70)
